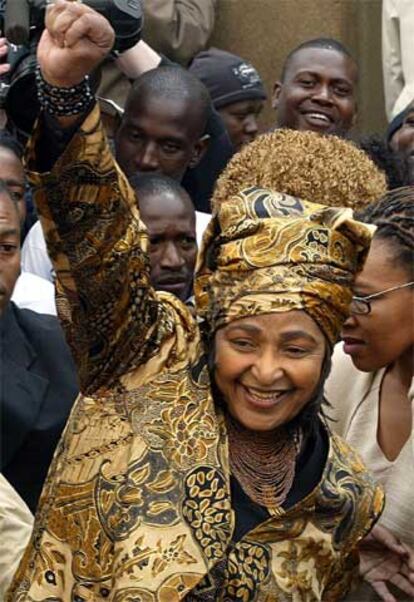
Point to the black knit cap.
(227, 77)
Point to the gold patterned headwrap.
(267, 252)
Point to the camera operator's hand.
(75, 40)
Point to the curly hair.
(394, 217)
(322, 169)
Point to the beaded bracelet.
(63, 102)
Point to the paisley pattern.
(248, 565)
(207, 510)
(137, 503)
(267, 252)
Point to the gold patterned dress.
(137, 506)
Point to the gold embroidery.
(137, 503)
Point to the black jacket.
(38, 386)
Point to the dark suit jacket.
(38, 386)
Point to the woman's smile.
(268, 367)
(263, 399)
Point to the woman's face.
(385, 334)
(268, 367)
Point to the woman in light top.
(371, 386)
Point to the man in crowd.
(317, 88)
(167, 211)
(162, 129)
(236, 90)
(171, 104)
(162, 132)
(12, 171)
(173, 228)
(38, 381)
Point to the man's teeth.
(319, 116)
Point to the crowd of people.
(207, 329)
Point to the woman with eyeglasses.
(371, 387)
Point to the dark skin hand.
(384, 560)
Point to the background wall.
(264, 31)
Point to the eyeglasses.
(362, 305)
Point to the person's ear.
(200, 149)
(277, 89)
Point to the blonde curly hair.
(304, 164)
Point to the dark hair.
(323, 43)
(158, 184)
(9, 142)
(149, 183)
(391, 164)
(173, 82)
(393, 215)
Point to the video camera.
(23, 23)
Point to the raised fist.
(75, 40)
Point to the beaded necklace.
(263, 462)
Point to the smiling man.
(317, 89)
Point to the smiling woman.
(268, 367)
(178, 478)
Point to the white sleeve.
(16, 523)
(35, 293)
(391, 55)
(398, 54)
(202, 221)
(34, 254)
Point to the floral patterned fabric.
(137, 503)
(269, 252)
